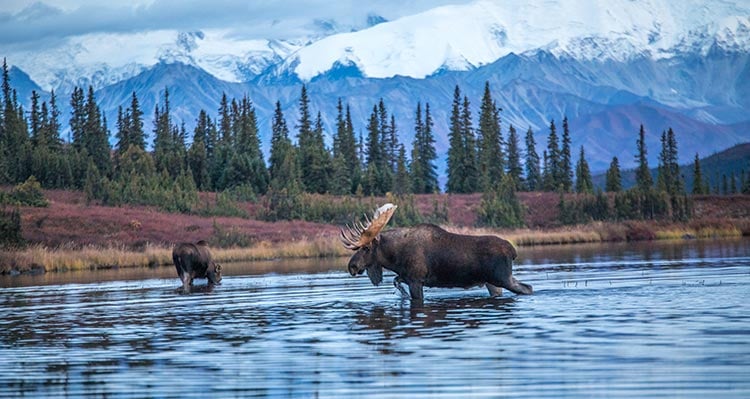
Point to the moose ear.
(375, 273)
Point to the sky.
(28, 24)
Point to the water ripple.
(608, 326)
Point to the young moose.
(426, 255)
(195, 261)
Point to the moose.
(195, 261)
(427, 255)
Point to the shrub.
(28, 193)
(500, 207)
(10, 227)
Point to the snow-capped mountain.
(607, 66)
(463, 37)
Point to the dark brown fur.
(427, 255)
(194, 261)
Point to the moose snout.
(354, 270)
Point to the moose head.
(364, 238)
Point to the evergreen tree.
(514, 158)
(613, 181)
(423, 170)
(643, 179)
(52, 127)
(698, 187)
(35, 121)
(313, 157)
(198, 155)
(669, 179)
(584, 183)
(285, 189)
(375, 158)
(402, 180)
(137, 134)
(96, 136)
(388, 149)
(225, 121)
(500, 206)
(428, 155)
(162, 135)
(491, 162)
(77, 118)
(471, 168)
(456, 161)
(566, 165)
(346, 167)
(283, 166)
(15, 146)
(552, 169)
(533, 175)
(122, 134)
(248, 160)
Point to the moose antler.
(361, 234)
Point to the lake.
(653, 319)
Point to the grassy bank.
(43, 259)
(39, 258)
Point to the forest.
(302, 177)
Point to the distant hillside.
(732, 160)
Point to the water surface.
(646, 320)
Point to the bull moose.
(427, 255)
(195, 261)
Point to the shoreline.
(38, 259)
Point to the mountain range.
(607, 66)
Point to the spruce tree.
(95, 138)
(402, 180)
(283, 167)
(428, 155)
(643, 178)
(566, 165)
(584, 183)
(471, 168)
(415, 167)
(137, 134)
(456, 161)
(225, 121)
(423, 170)
(533, 175)
(198, 155)
(698, 187)
(346, 167)
(77, 118)
(552, 169)
(312, 155)
(514, 158)
(613, 181)
(491, 162)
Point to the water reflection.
(633, 322)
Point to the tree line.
(224, 156)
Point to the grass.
(38, 258)
(67, 258)
(70, 235)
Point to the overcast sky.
(33, 23)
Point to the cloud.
(24, 24)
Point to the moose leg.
(415, 289)
(186, 283)
(504, 278)
(397, 283)
(517, 287)
(494, 290)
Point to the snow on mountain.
(462, 37)
(105, 59)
